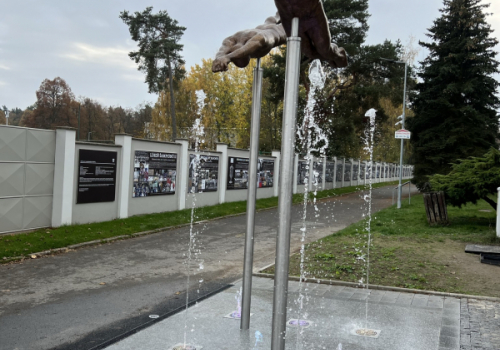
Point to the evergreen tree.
(455, 103)
(158, 38)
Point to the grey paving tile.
(451, 321)
(333, 291)
(359, 296)
(435, 302)
(450, 331)
(420, 300)
(405, 299)
(375, 297)
(449, 342)
(345, 294)
(390, 297)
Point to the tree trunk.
(172, 100)
(435, 208)
(490, 202)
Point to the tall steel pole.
(286, 189)
(402, 140)
(6, 117)
(252, 195)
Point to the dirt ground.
(436, 264)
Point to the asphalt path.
(83, 298)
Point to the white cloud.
(112, 56)
(134, 77)
(4, 67)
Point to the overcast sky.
(86, 44)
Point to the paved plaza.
(406, 321)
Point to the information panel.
(154, 173)
(265, 173)
(330, 171)
(318, 172)
(97, 176)
(208, 174)
(237, 173)
(302, 172)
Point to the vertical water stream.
(312, 139)
(199, 132)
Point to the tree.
(471, 179)
(455, 103)
(53, 106)
(226, 116)
(158, 38)
(351, 91)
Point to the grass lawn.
(407, 252)
(24, 244)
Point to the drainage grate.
(364, 332)
(299, 323)
(235, 315)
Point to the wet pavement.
(402, 321)
(83, 298)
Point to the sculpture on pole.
(303, 25)
(316, 41)
(251, 43)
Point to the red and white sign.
(403, 134)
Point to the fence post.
(64, 175)
(323, 175)
(125, 164)
(276, 178)
(295, 173)
(498, 214)
(222, 148)
(183, 172)
(343, 172)
(334, 172)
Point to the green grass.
(406, 251)
(24, 244)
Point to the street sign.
(403, 134)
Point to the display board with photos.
(362, 173)
(154, 174)
(302, 172)
(96, 176)
(329, 171)
(347, 172)
(318, 172)
(355, 172)
(340, 172)
(208, 173)
(265, 173)
(237, 173)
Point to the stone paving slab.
(479, 325)
(336, 312)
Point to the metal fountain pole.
(286, 188)
(252, 194)
(402, 141)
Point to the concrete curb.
(378, 287)
(137, 234)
